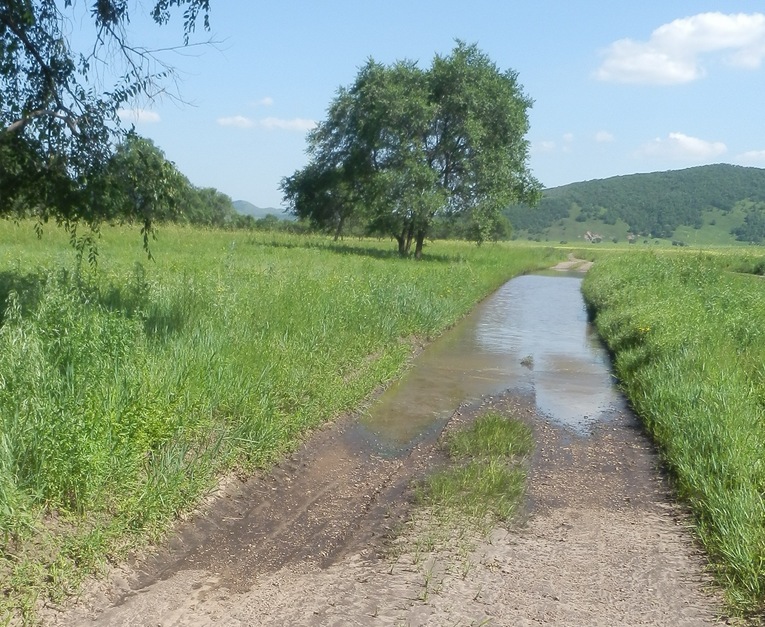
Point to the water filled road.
(532, 336)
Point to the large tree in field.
(404, 145)
(59, 102)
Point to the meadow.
(687, 333)
(127, 389)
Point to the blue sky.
(618, 87)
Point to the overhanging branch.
(19, 124)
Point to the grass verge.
(688, 339)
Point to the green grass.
(688, 338)
(127, 389)
(486, 481)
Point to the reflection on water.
(539, 320)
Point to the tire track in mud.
(336, 495)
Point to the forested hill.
(727, 201)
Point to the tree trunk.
(420, 244)
(409, 236)
(339, 230)
(401, 239)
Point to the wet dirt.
(600, 541)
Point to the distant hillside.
(248, 209)
(704, 205)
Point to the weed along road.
(328, 538)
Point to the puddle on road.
(531, 336)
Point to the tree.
(58, 120)
(209, 207)
(323, 195)
(139, 185)
(403, 146)
(753, 228)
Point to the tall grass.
(126, 389)
(689, 344)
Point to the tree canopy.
(140, 184)
(58, 118)
(403, 146)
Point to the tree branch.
(50, 80)
(19, 124)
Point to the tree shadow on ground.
(28, 286)
(131, 298)
(343, 248)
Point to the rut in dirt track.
(331, 497)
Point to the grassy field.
(688, 337)
(126, 389)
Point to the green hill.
(713, 204)
(248, 209)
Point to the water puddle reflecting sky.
(531, 336)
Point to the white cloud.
(138, 116)
(295, 124)
(237, 121)
(264, 102)
(682, 147)
(546, 146)
(672, 53)
(604, 137)
(543, 146)
(751, 157)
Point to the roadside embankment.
(688, 341)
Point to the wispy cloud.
(138, 116)
(604, 137)
(543, 146)
(564, 144)
(751, 157)
(682, 147)
(295, 124)
(264, 102)
(672, 54)
(237, 121)
(568, 141)
(269, 124)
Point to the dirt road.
(600, 543)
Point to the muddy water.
(532, 337)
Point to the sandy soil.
(599, 543)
